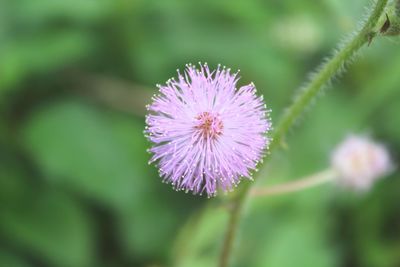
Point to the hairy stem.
(305, 97)
(297, 185)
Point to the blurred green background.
(75, 187)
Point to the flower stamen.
(210, 125)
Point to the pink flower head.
(207, 133)
(360, 161)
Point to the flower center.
(210, 125)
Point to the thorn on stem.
(386, 25)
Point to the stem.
(325, 75)
(322, 77)
(295, 186)
(236, 208)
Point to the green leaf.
(39, 54)
(74, 10)
(11, 260)
(80, 147)
(44, 221)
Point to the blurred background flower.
(75, 187)
(359, 162)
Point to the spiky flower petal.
(206, 132)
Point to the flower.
(206, 133)
(359, 162)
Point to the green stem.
(296, 185)
(305, 97)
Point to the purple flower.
(207, 134)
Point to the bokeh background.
(75, 186)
